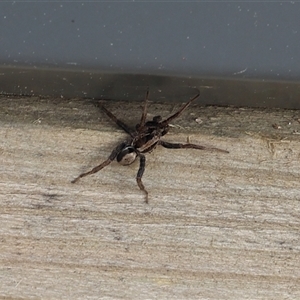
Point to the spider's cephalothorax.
(144, 139)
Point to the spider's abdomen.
(126, 156)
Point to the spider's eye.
(127, 156)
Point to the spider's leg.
(140, 175)
(144, 115)
(118, 122)
(177, 114)
(96, 169)
(190, 146)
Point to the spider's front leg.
(189, 146)
(140, 175)
(118, 122)
(112, 156)
(144, 114)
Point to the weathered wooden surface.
(217, 226)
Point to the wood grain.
(218, 226)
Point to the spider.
(143, 139)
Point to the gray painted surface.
(232, 40)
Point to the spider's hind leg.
(140, 175)
(96, 169)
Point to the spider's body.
(142, 140)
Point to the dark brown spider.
(143, 139)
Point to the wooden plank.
(217, 226)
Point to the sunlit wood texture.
(217, 226)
